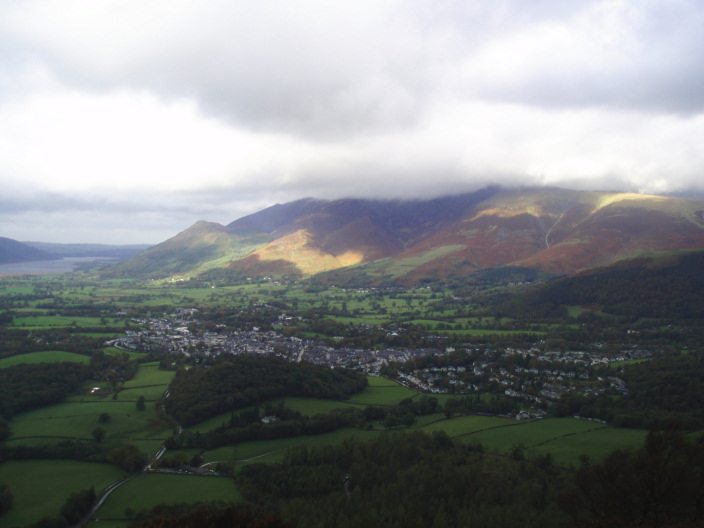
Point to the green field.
(41, 487)
(151, 393)
(78, 419)
(381, 391)
(255, 451)
(488, 331)
(150, 490)
(565, 438)
(56, 321)
(313, 406)
(464, 425)
(46, 356)
(212, 423)
(149, 374)
(380, 381)
(596, 444)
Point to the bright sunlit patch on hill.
(509, 211)
(300, 249)
(609, 199)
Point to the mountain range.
(558, 231)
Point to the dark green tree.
(6, 498)
(99, 434)
(77, 505)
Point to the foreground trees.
(429, 480)
(659, 485)
(406, 480)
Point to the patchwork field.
(567, 440)
(47, 356)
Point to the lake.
(40, 267)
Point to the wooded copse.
(197, 394)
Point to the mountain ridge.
(555, 230)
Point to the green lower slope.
(202, 247)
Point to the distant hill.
(12, 251)
(121, 252)
(555, 230)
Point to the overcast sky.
(125, 121)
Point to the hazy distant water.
(65, 265)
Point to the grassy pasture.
(212, 423)
(77, 420)
(47, 356)
(56, 321)
(149, 382)
(149, 490)
(380, 381)
(489, 331)
(149, 374)
(13, 287)
(151, 393)
(529, 434)
(41, 487)
(596, 444)
(427, 421)
(430, 323)
(390, 393)
(360, 319)
(565, 438)
(257, 450)
(466, 425)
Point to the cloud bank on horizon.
(128, 121)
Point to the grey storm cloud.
(306, 67)
(333, 69)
